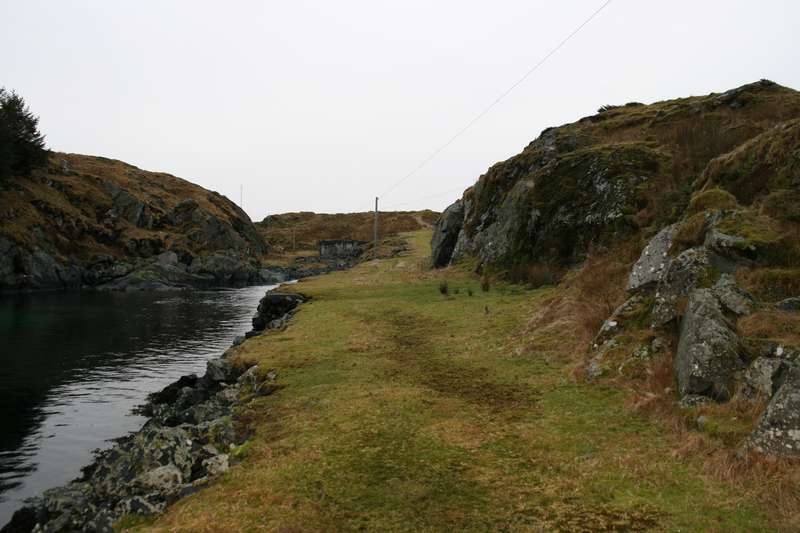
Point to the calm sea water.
(73, 365)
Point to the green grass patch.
(407, 410)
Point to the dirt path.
(407, 410)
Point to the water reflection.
(73, 365)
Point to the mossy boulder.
(708, 350)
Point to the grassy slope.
(69, 208)
(412, 411)
(304, 229)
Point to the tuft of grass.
(690, 233)
(534, 275)
(771, 284)
(772, 324)
(485, 285)
(712, 199)
(443, 288)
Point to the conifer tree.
(22, 146)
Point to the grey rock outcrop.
(654, 260)
(778, 430)
(763, 377)
(708, 350)
(732, 297)
(173, 454)
(789, 304)
(130, 217)
(275, 306)
(689, 270)
(445, 234)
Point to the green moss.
(762, 236)
(691, 232)
(726, 425)
(712, 199)
(241, 451)
(132, 522)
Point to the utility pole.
(375, 233)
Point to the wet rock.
(161, 274)
(653, 261)
(445, 234)
(778, 430)
(177, 450)
(708, 349)
(222, 371)
(275, 305)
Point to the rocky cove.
(191, 435)
(96, 223)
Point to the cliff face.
(91, 221)
(627, 170)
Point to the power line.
(427, 196)
(497, 100)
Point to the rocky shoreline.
(164, 272)
(191, 436)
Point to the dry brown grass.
(770, 284)
(773, 481)
(534, 275)
(771, 324)
(70, 207)
(291, 231)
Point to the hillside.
(671, 234)
(303, 230)
(625, 172)
(90, 221)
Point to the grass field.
(404, 409)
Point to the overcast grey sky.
(321, 105)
